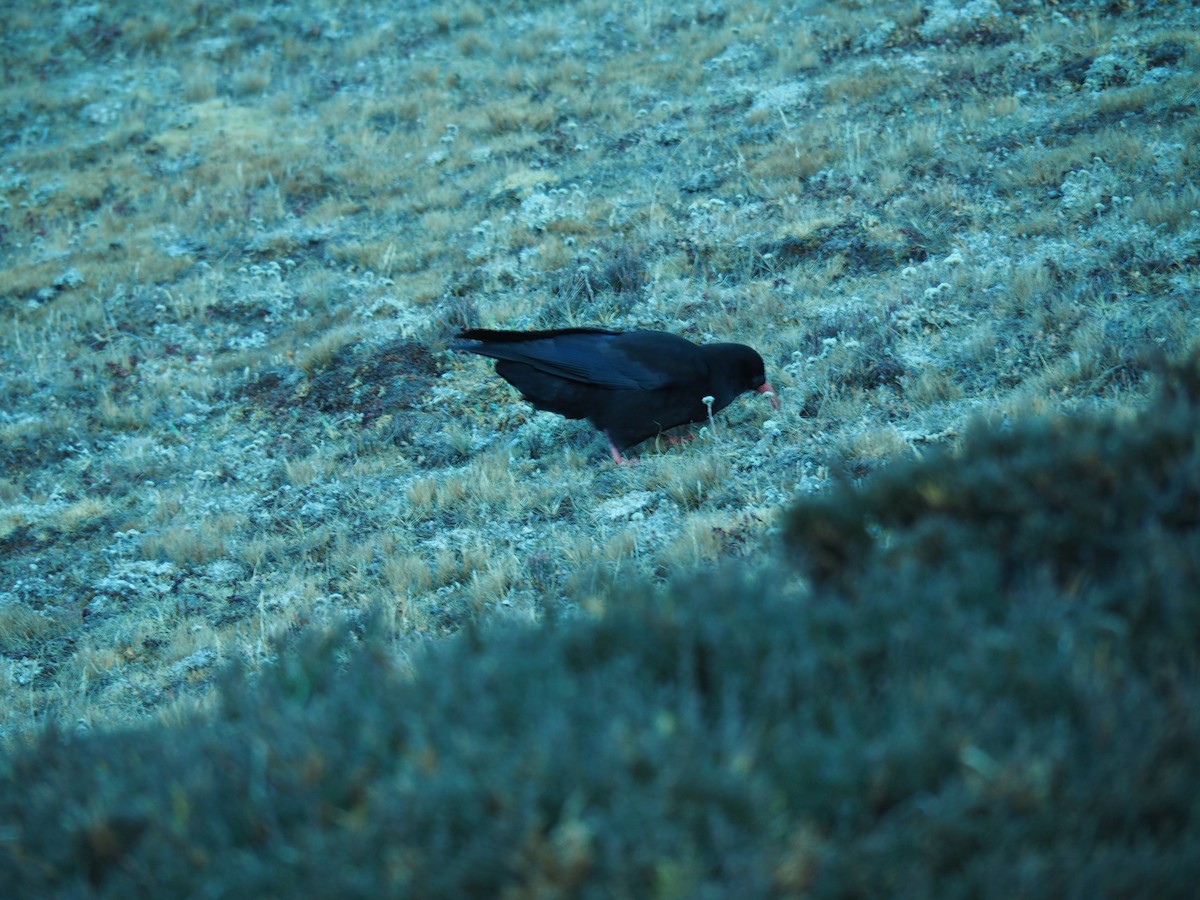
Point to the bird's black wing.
(592, 356)
(657, 360)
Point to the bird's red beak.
(770, 392)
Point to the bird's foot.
(618, 458)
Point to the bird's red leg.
(678, 440)
(616, 454)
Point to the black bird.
(631, 385)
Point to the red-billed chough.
(631, 385)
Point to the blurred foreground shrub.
(981, 680)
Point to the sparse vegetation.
(982, 664)
(235, 241)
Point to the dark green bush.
(983, 683)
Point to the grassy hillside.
(956, 692)
(235, 239)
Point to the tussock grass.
(235, 243)
(915, 697)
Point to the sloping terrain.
(235, 240)
(975, 677)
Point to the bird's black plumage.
(631, 385)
